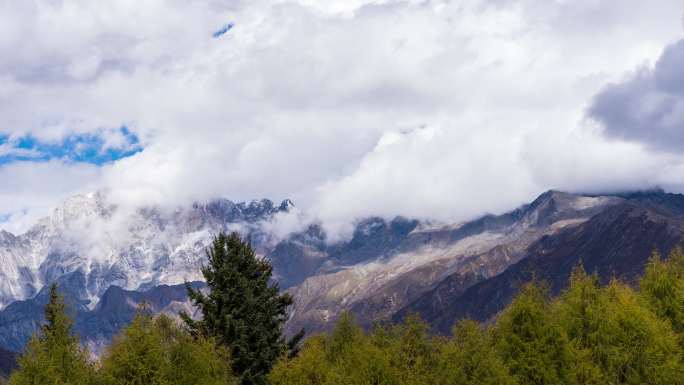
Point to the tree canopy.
(243, 309)
(54, 356)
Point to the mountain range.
(107, 260)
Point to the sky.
(430, 109)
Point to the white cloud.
(445, 109)
(29, 190)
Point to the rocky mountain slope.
(615, 243)
(426, 255)
(95, 327)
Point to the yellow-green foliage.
(663, 287)
(588, 335)
(532, 345)
(615, 337)
(404, 354)
(155, 351)
(470, 358)
(54, 355)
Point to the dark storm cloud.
(649, 107)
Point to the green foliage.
(403, 354)
(534, 348)
(309, 368)
(243, 310)
(411, 349)
(157, 352)
(346, 356)
(470, 359)
(615, 337)
(54, 355)
(663, 287)
(580, 313)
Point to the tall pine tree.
(243, 309)
(54, 355)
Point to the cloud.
(351, 108)
(30, 190)
(648, 107)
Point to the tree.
(54, 355)
(532, 346)
(354, 359)
(136, 355)
(410, 349)
(308, 368)
(663, 288)
(345, 356)
(243, 309)
(156, 351)
(580, 312)
(633, 345)
(469, 359)
(614, 337)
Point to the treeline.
(590, 334)
(149, 351)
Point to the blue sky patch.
(223, 30)
(81, 148)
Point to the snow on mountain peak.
(110, 245)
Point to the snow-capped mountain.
(132, 249)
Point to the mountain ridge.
(386, 268)
(615, 243)
(124, 249)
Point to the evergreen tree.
(54, 355)
(310, 367)
(136, 355)
(243, 310)
(634, 346)
(615, 337)
(469, 359)
(663, 288)
(530, 343)
(344, 338)
(355, 359)
(345, 356)
(410, 349)
(156, 351)
(580, 312)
